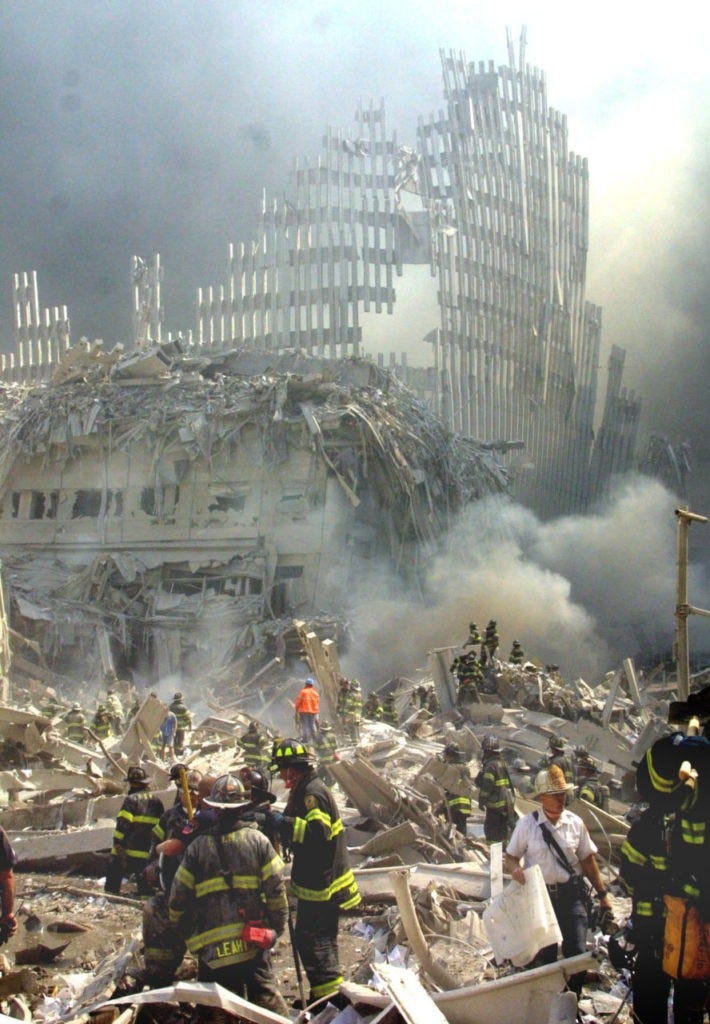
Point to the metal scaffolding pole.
(682, 608)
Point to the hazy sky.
(153, 125)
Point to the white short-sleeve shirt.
(571, 834)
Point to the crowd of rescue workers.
(209, 869)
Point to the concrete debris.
(417, 949)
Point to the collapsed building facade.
(157, 509)
(492, 202)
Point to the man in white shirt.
(563, 868)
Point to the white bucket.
(521, 920)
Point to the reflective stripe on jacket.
(213, 896)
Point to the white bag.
(521, 921)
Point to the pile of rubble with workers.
(487, 842)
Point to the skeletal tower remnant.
(495, 204)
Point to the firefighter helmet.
(137, 776)
(177, 695)
(556, 743)
(76, 706)
(228, 794)
(326, 727)
(490, 745)
(290, 753)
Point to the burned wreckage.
(161, 512)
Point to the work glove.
(607, 924)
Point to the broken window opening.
(86, 503)
(227, 503)
(37, 504)
(160, 501)
(288, 572)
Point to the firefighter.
(75, 724)
(321, 878)
(644, 876)
(326, 747)
(373, 709)
(517, 655)
(101, 723)
(557, 756)
(491, 639)
(184, 722)
(389, 711)
(673, 777)
(257, 787)
(140, 812)
(253, 743)
(457, 805)
(589, 783)
(163, 946)
(51, 706)
(115, 710)
(307, 711)
(228, 900)
(353, 710)
(474, 637)
(433, 704)
(496, 793)
(469, 675)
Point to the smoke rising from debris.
(582, 592)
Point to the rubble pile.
(419, 934)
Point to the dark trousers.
(316, 936)
(568, 904)
(690, 1000)
(126, 867)
(496, 827)
(252, 979)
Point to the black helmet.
(137, 776)
(326, 727)
(177, 695)
(252, 727)
(556, 742)
(472, 626)
(290, 753)
(257, 785)
(516, 643)
(490, 744)
(228, 794)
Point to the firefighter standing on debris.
(163, 946)
(115, 710)
(644, 876)
(307, 711)
(75, 724)
(373, 710)
(517, 654)
(673, 777)
(390, 715)
(558, 841)
(101, 723)
(353, 710)
(457, 805)
(491, 639)
(326, 750)
(496, 793)
(467, 669)
(321, 878)
(558, 757)
(228, 900)
(474, 637)
(589, 784)
(132, 838)
(184, 722)
(253, 743)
